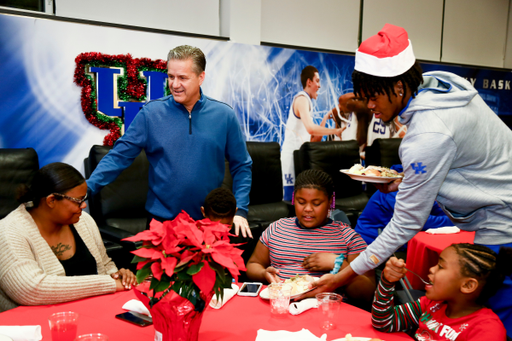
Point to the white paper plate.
(369, 178)
(5, 338)
(265, 295)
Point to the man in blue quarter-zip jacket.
(186, 136)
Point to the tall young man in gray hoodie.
(456, 151)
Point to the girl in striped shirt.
(310, 243)
(465, 278)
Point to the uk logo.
(289, 179)
(114, 88)
(419, 168)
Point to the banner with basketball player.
(67, 86)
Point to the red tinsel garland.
(131, 87)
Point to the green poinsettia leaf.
(143, 273)
(227, 279)
(183, 276)
(218, 290)
(194, 269)
(224, 276)
(217, 267)
(180, 268)
(191, 292)
(153, 301)
(162, 286)
(176, 287)
(154, 283)
(137, 259)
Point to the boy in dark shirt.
(220, 205)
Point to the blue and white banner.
(40, 104)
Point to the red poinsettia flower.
(155, 234)
(205, 278)
(190, 253)
(223, 253)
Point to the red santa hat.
(386, 54)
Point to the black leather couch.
(266, 196)
(382, 152)
(17, 166)
(119, 208)
(331, 157)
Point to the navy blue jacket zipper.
(190, 123)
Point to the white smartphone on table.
(250, 289)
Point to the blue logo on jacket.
(418, 169)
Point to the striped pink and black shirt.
(288, 243)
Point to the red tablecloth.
(238, 320)
(424, 249)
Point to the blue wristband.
(337, 264)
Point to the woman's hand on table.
(125, 278)
(319, 261)
(394, 270)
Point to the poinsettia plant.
(187, 257)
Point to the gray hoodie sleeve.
(426, 158)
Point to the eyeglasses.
(78, 201)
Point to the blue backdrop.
(40, 104)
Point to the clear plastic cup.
(279, 295)
(63, 326)
(329, 305)
(92, 337)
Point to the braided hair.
(366, 85)
(485, 265)
(219, 204)
(317, 179)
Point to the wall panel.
(422, 20)
(475, 32)
(191, 16)
(323, 24)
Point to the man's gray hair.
(184, 52)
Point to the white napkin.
(444, 230)
(228, 294)
(283, 335)
(136, 306)
(22, 333)
(297, 308)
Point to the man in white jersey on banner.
(300, 126)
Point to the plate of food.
(299, 284)
(373, 174)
